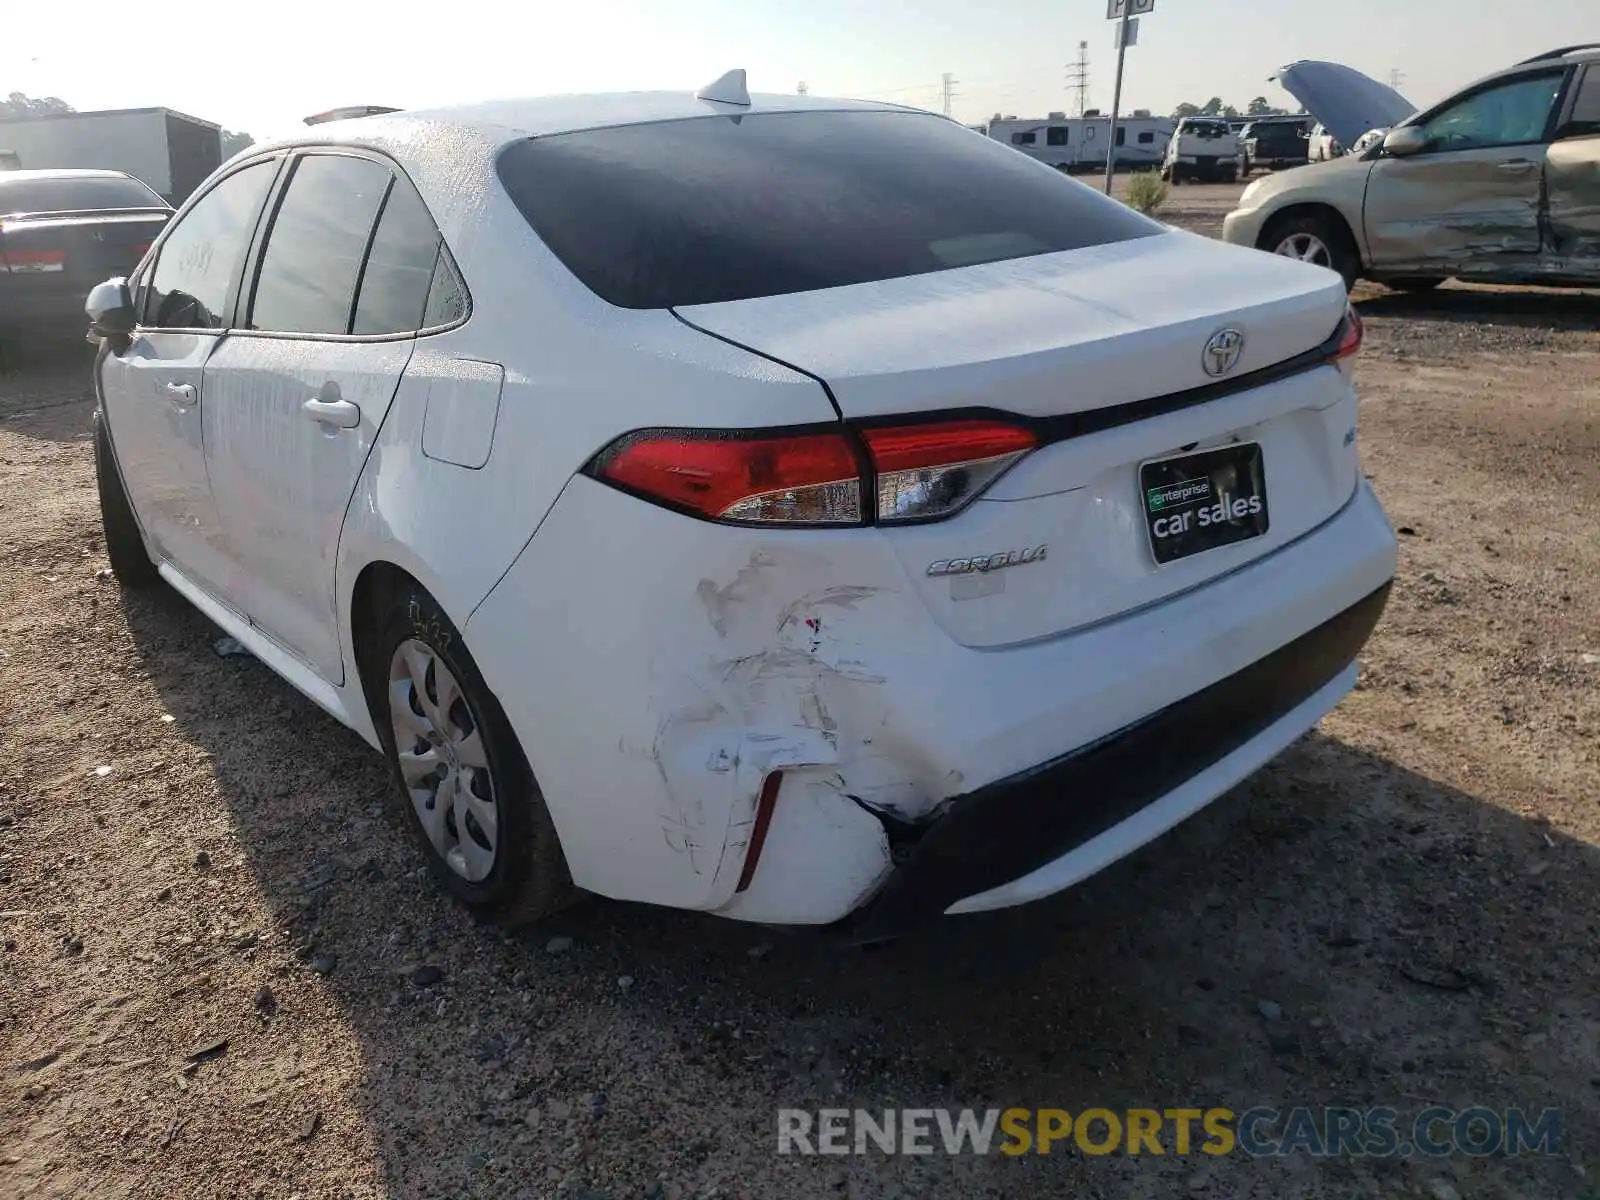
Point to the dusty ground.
(1417, 885)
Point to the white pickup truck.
(1204, 149)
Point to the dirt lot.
(1416, 886)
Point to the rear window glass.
(713, 209)
(74, 195)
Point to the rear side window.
(307, 280)
(203, 253)
(1585, 119)
(399, 272)
(714, 209)
(1056, 135)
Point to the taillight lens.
(913, 472)
(1351, 335)
(758, 479)
(27, 262)
(930, 471)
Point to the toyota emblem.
(1223, 351)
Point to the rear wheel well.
(377, 582)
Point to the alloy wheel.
(1307, 247)
(442, 760)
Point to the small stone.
(229, 647)
(211, 1048)
(164, 895)
(1443, 1189)
(1270, 1009)
(202, 860)
(73, 946)
(560, 1110)
(323, 964)
(33, 1092)
(167, 718)
(558, 945)
(760, 952)
(1284, 1043)
(266, 1002)
(655, 1190)
(1199, 1181)
(1589, 660)
(426, 975)
(309, 1127)
(625, 982)
(519, 980)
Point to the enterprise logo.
(1169, 494)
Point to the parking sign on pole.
(1134, 8)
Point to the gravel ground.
(225, 974)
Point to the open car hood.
(1347, 102)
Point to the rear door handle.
(181, 394)
(340, 414)
(1518, 165)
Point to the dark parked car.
(1274, 145)
(62, 232)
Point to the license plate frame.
(1218, 496)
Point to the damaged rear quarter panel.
(1572, 175)
(658, 671)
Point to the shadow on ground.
(1406, 929)
(1486, 306)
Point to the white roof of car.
(539, 115)
(62, 173)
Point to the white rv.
(1079, 143)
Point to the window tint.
(1023, 139)
(1122, 136)
(711, 209)
(1508, 114)
(1146, 138)
(74, 193)
(399, 271)
(308, 272)
(202, 255)
(1056, 135)
(1585, 119)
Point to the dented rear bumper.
(1015, 827)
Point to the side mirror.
(1406, 140)
(111, 317)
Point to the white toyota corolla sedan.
(799, 510)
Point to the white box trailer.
(1079, 143)
(167, 151)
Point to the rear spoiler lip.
(349, 112)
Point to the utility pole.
(800, 88)
(1078, 78)
(1116, 94)
(1396, 77)
(947, 82)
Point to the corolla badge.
(988, 562)
(1222, 352)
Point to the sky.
(236, 65)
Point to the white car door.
(154, 391)
(297, 393)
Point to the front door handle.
(1518, 165)
(181, 394)
(340, 414)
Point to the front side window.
(202, 255)
(1022, 139)
(710, 209)
(1056, 135)
(307, 280)
(1508, 114)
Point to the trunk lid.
(1055, 338)
(84, 247)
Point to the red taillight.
(763, 479)
(1351, 333)
(25, 262)
(931, 471)
(918, 472)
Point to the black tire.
(124, 545)
(1330, 232)
(1426, 284)
(529, 879)
(1231, 175)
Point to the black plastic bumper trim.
(1012, 827)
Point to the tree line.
(1214, 107)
